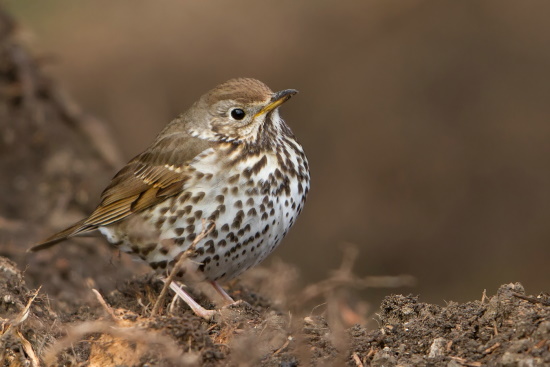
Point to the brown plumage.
(229, 159)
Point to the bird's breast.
(252, 200)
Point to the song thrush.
(229, 159)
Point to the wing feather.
(153, 176)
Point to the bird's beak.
(278, 99)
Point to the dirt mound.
(508, 329)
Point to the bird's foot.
(197, 309)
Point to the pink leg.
(223, 293)
(198, 309)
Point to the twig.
(205, 231)
(27, 347)
(491, 349)
(531, 299)
(464, 362)
(344, 277)
(483, 296)
(357, 360)
(288, 340)
(106, 307)
(11, 328)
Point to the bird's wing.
(151, 177)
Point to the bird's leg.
(198, 309)
(227, 298)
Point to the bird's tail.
(72, 231)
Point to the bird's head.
(240, 110)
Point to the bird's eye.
(237, 113)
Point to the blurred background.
(426, 123)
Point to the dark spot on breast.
(252, 213)
(221, 208)
(215, 215)
(190, 229)
(214, 234)
(253, 191)
(225, 227)
(163, 211)
(198, 214)
(220, 199)
(233, 178)
(264, 216)
(191, 237)
(198, 197)
(178, 231)
(235, 190)
(222, 243)
(250, 202)
(257, 167)
(190, 220)
(209, 245)
(238, 204)
(188, 209)
(146, 250)
(183, 198)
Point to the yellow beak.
(278, 99)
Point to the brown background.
(426, 122)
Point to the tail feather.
(72, 231)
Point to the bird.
(229, 161)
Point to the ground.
(506, 329)
(82, 304)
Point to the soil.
(82, 304)
(507, 329)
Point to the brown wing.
(148, 179)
